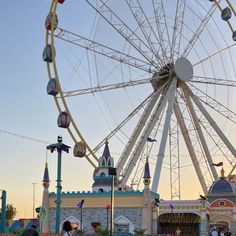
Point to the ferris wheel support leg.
(161, 153)
(145, 133)
(137, 131)
(200, 134)
(189, 145)
(211, 121)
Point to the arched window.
(109, 163)
(102, 174)
(103, 163)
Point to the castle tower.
(147, 201)
(45, 202)
(102, 179)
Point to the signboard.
(43, 213)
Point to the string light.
(23, 137)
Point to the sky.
(28, 113)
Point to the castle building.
(139, 209)
(132, 209)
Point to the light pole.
(108, 206)
(33, 198)
(112, 172)
(3, 218)
(59, 147)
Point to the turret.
(45, 201)
(147, 201)
(102, 179)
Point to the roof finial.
(222, 173)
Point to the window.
(221, 203)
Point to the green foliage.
(139, 231)
(78, 232)
(102, 231)
(10, 212)
(17, 231)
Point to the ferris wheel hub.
(183, 69)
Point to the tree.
(102, 231)
(10, 212)
(139, 231)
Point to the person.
(228, 233)
(67, 229)
(222, 233)
(30, 231)
(214, 232)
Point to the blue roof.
(106, 153)
(221, 186)
(46, 174)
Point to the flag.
(80, 204)
(217, 164)
(151, 140)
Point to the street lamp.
(112, 172)
(3, 218)
(33, 198)
(59, 147)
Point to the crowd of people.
(220, 232)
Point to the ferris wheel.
(155, 78)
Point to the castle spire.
(46, 176)
(146, 176)
(45, 200)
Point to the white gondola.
(47, 53)
(63, 120)
(226, 14)
(52, 87)
(234, 36)
(48, 21)
(79, 149)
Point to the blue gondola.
(63, 120)
(226, 14)
(47, 53)
(234, 36)
(52, 87)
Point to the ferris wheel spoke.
(189, 145)
(146, 28)
(162, 28)
(210, 120)
(128, 118)
(217, 106)
(136, 133)
(177, 29)
(160, 156)
(213, 81)
(198, 32)
(144, 134)
(102, 50)
(124, 30)
(105, 87)
(200, 134)
(215, 54)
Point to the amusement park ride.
(162, 70)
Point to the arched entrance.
(188, 223)
(123, 225)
